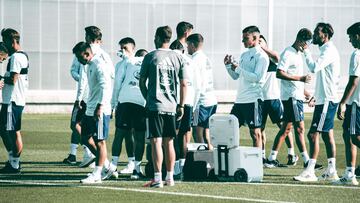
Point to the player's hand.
(77, 104)
(1, 84)
(341, 111)
(312, 102)
(262, 43)
(302, 46)
(179, 112)
(306, 78)
(227, 59)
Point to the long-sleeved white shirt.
(75, 69)
(291, 62)
(126, 86)
(206, 81)
(97, 50)
(82, 87)
(327, 70)
(99, 81)
(251, 75)
(354, 70)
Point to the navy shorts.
(249, 114)
(351, 123)
(274, 109)
(293, 110)
(129, 116)
(202, 115)
(161, 124)
(10, 116)
(184, 125)
(77, 114)
(323, 117)
(97, 128)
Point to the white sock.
(350, 172)
(10, 154)
(73, 149)
(273, 155)
(182, 162)
(106, 163)
(331, 165)
(114, 160)
(263, 154)
(169, 175)
(291, 151)
(157, 176)
(305, 156)
(311, 165)
(97, 171)
(137, 166)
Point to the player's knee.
(300, 130)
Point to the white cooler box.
(244, 164)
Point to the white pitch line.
(144, 191)
(346, 187)
(229, 183)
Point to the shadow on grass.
(11, 185)
(44, 176)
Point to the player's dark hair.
(304, 35)
(197, 39)
(354, 29)
(326, 28)
(10, 34)
(176, 45)
(81, 47)
(141, 53)
(127, 40)
(251, 29)
(164, 34)
(182, 28)
(93, 32)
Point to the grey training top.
(164, 69)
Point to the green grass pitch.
(45, 179)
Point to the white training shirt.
(16, 93)
(193, 86)
(193, 81)
(207, 94)
(291, 62)
(126, 86)
(271, 88)
(251, 75)
(327, 70)
(354, 70)
(97, 50)
(75, 69)
(82, 87)
(99, 86)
